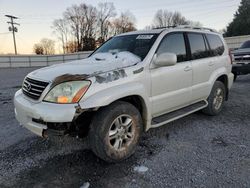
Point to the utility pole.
(13, 28)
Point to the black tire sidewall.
(99, 130)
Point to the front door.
(171, 85)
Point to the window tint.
(197, 45)
(216, 45)
(174, 43)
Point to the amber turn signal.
(79, 94)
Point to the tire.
(216, 99)
(111, 124)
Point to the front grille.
(242, 57)
(33, 88)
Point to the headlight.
(68, 92)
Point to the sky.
(36, 17)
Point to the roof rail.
(187, 27)
(164, 27)
(195, 27)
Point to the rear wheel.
(115, 131)
(216, 99)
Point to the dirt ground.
(196, 151)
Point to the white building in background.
(235, 42)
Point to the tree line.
(241, 22)
(84, 27)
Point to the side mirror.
(165, 59)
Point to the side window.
(197, 45)
(174, 43)
(216, 45)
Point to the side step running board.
(166, 118)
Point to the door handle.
(211, 63)
(187, 68)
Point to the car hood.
(94, 65)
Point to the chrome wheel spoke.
(118, 143)
(118, 122)
(128, 122)
(218, 99)
(215, 101)
(112, 134)
(218, 92)
(121, 132)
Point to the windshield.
(136, 44)
(245, 45)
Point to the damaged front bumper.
(43, 117)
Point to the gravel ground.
(196, 151)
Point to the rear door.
(217, 50)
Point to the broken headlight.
(67, 92)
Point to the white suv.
(133, 82)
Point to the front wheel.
(216, 99)
(115, 131)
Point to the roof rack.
(164, 27)
(187, 27)
(195, 27)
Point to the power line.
(13, 28)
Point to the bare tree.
(61, 28)
(125, 23)
(91, 14)
(178, 19)
(45, 47)
(162, 18)
(194, 23)
(73, 15)
(83, 20)
(90, 26)
(105, 12)
(71, 46)
(38, 49)
(165, 18)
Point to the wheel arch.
(134, 93)
(140, 104)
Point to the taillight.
(231, 56)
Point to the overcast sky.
(36, 16)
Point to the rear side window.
(174, 43)
(216, 45)
(197, 46)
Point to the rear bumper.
(241, 68)
(27, 113)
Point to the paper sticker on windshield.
(144, 37)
